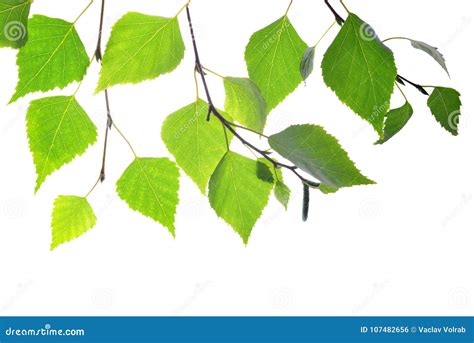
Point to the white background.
(401, 247)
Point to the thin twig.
(108, 125)
(230, 126)
(247, 129)
(98, 50)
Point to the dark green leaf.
(445, 104)
(395, 121)
(361, 71)
(319, 154)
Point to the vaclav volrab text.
(444, 329)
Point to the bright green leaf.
(273, 57)
(281, 191)
(150, 186)
(445, 104)
(72, 217)
(58, 131)
(361, 71)
(53, 56)
(141, 47)
(319, 154)
(14, 22)
(197, 145)
(239, 190)
(325, 189)
(395, 121)
(244, 102)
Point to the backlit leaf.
(150, 186)
(53, 56)
(281, 191)
(244, 102)
(273, 57)
(239, 190)
(141, 47)
(197, 145)
(72, 217)
(58, 131)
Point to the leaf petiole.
(182, 8)
(213, 72)
(395, 38)
(288, 9)
(324, 34)
(83, 11)
(125, 139)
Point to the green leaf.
(325, 189)
(361, 71)
(72, 217)
(396, 120)
(54, 56)
(141, 47)
(14, 22)
(239, 190)
(197, 145)
(58, 131)
(281, 191)
(307, 63)
(273, 57)
(244, 102)
(445, 104)
(150, 186)
(319, 154)
(432, 51)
